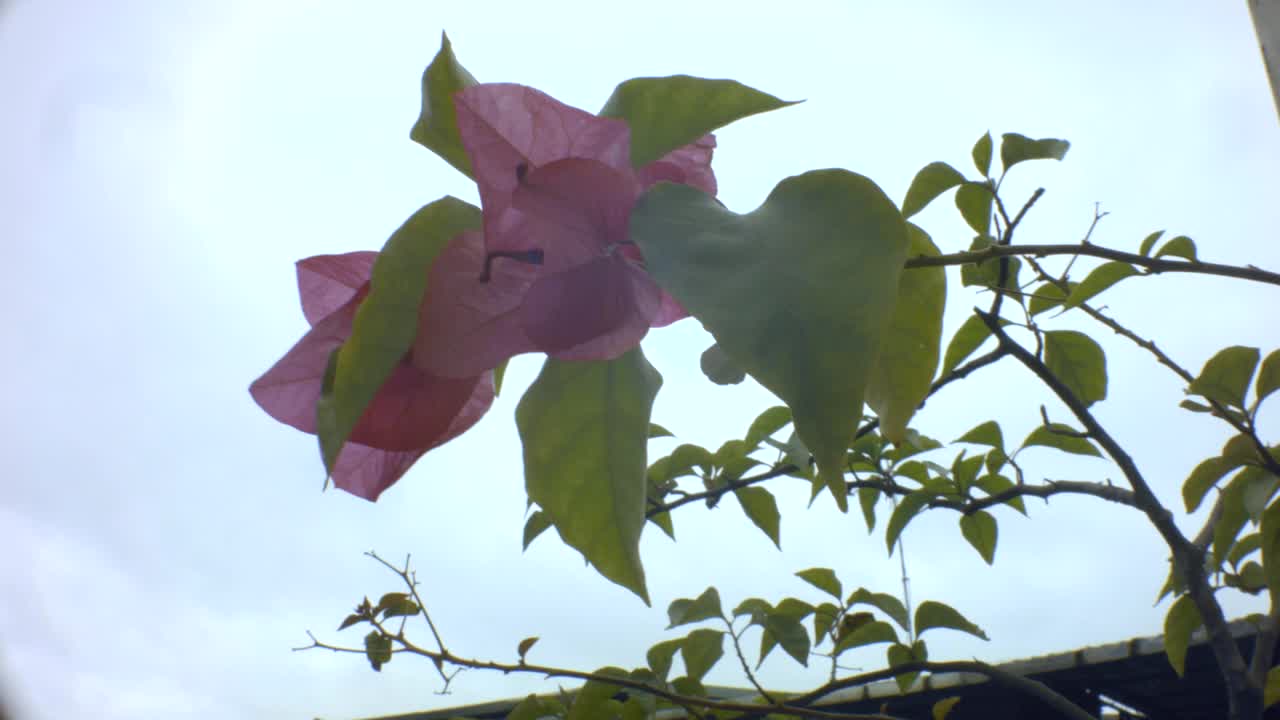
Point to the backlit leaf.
(762, 510)
(659, 656)
(1078, 361)
(1182, 620)
(583, 426)
(982, 154)
(437, 126)
(932, 180)
(980, 530)
(525, 646)
(974, 201)
(1062, 437)
(798, 292)
(534, 526)
(701, 650)
(766, 424)
(824, 579)
(1148, 242)
(1181, 246)
(703, 607)
(972, 333)
(907, 508)
(943, 707)
(377, 649)
(1268, 376)
(1269, 529)
(988, 433)
(1225, 377)
(1015, 148)
(876, 631)
(932, 614)
(1099, 279)
(1204, 476)
(1048, 296)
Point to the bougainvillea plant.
(595, 228)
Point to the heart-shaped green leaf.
(437, 125)
(798, 292)
(584, 428)
(909, 355)
(665, 113)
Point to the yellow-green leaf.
(932, 180)
(1225, 377)
(980, 530)
(437, 126)
(1182, 620)
(1101, 278)
(1078, 361)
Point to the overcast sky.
(166, 163)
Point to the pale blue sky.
(166, 163)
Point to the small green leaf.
(377, 648)
(1269, 529)
(994, 484)
(1268, 377)
(352, 620)
(1244, 547)
(397, 605)
(657, 431)
(1061, 437)
(788, 631)
(1048, 296)
(688, 687)
(907, 508)
(886, 603)
(437, 126)
(1271, 692)
(659, 656)
(1101, 278)
(719, 368)
(899, 654)
(982, 154)
(594, 700)
(974, 201)
(838, 243)
(755, 607)
(525, 645)
(932, 180)
(1078, 361)
(1194, 406)
(766, 424)
(933, 614)
(663, 521)
(584, 426)
(665, 113)
(867, 499)
(1015, 148)
(1232, 519)
(1226, 375)
(943, 707)
(1204, 476)
(701, 650)
(870, 633)
(1148, 242)
(980, 530)
(386, 323)
(824, 579)
(535, 708)
(824, 617)
(1181, 246)
(988, 433)
(1182, 620)
(534, 526)
(703, 607)
(903, 372)
(762, 510)
(972, 333)
(987, 273)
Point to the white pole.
(1266, 22)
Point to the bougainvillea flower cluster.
(553, 271)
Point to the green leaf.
(688, 687)
(1194, 406)
(762, 510)
(1015, 148)
(932, 180)
(1226, 375)
(1271, 692)
(1078, 362)
(788, 631)
(1232, 519)
(377, 648)
(387, 322)
(663, 521)
(886, 603)
(719, 368)
(1048, 296)
(704, 607)
(1061, 437)
(994, 484)
(525, 646)
(980, 530)
(665, 113)
(1182, 620)
(1269, 529)
(1268, 377)
(933, 614)
(659, 656)
(352, 619)
(584, 427)
(982, 154)
(1099, 279)
(824, 579)
(974, 201)
(988, 433)
(701, 650)
(594, 700)
(867, 499)
(903, 373)
(1204, 476)
(972, 333)
(657, 431)
(798, 292)
(1148, 242)
(755, 607)
(397, 605)
(908, 506)
(899, 654)
(534, 526)
(824, 617)
(870, 633)
(1181, 246)
(1244, 547)
(987, 273)
(535, 708)
(437, 126)
(766, 424)
(943, 707)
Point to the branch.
(1153, 265)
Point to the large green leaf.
(798, 292)
(1225, 377)
(1182, 620)
(932, 180)
(387, 321)
(908, 359)
(584, 427)
(1078, 362)
(933, 614)
(1015, 148)
(437, 125)
(665, 113)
